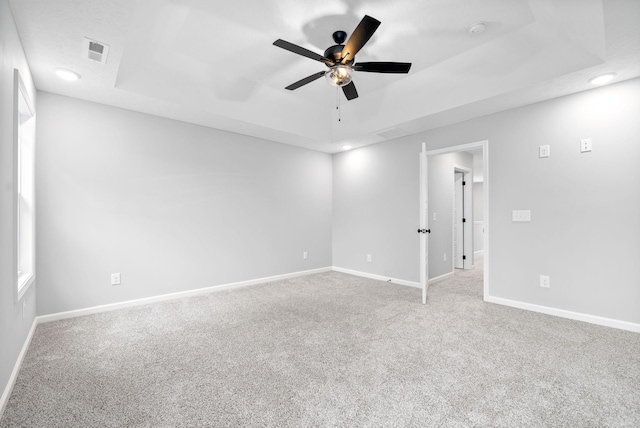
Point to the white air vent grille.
(94, 51)
(392, 133)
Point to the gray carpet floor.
(328, 350)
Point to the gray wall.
(585, 209)
(13, 328)
(440, 194)
(169, 205)
(375, 210)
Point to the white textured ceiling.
(212, 63)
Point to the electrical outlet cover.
(545, 281)
(545, 151)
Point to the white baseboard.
(377, 277)
(593, 319)
(392, 280)
(172, 296)
(16, 368)
(441, 278)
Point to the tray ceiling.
(213, 63)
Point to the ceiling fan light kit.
(340, 58)
(339, 75)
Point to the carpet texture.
(328, 350)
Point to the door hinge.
(424, 230)
(464, 220)
(464, 183)
(464, 257)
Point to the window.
(24, 179)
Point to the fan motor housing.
(335, 53)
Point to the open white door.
(423, 231)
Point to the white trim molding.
(441, 277)
(16, 368)
(392, 280)
(377, 277)
(562, 313)
(173, 296)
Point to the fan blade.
(302, 51)
(350, 91)
(306, 80)
(383, 67)
(359, 37)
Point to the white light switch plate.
(521, 215)
(585, 145)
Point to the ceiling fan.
(340, 58)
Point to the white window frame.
(24, 139)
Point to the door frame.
(424, 205)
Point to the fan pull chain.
(338, 102)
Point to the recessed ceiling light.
(477, 28)
(346, 147)
(602, 79)
(68, 75)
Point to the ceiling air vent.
(391, 133)
(95, 51)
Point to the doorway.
(437, 264)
